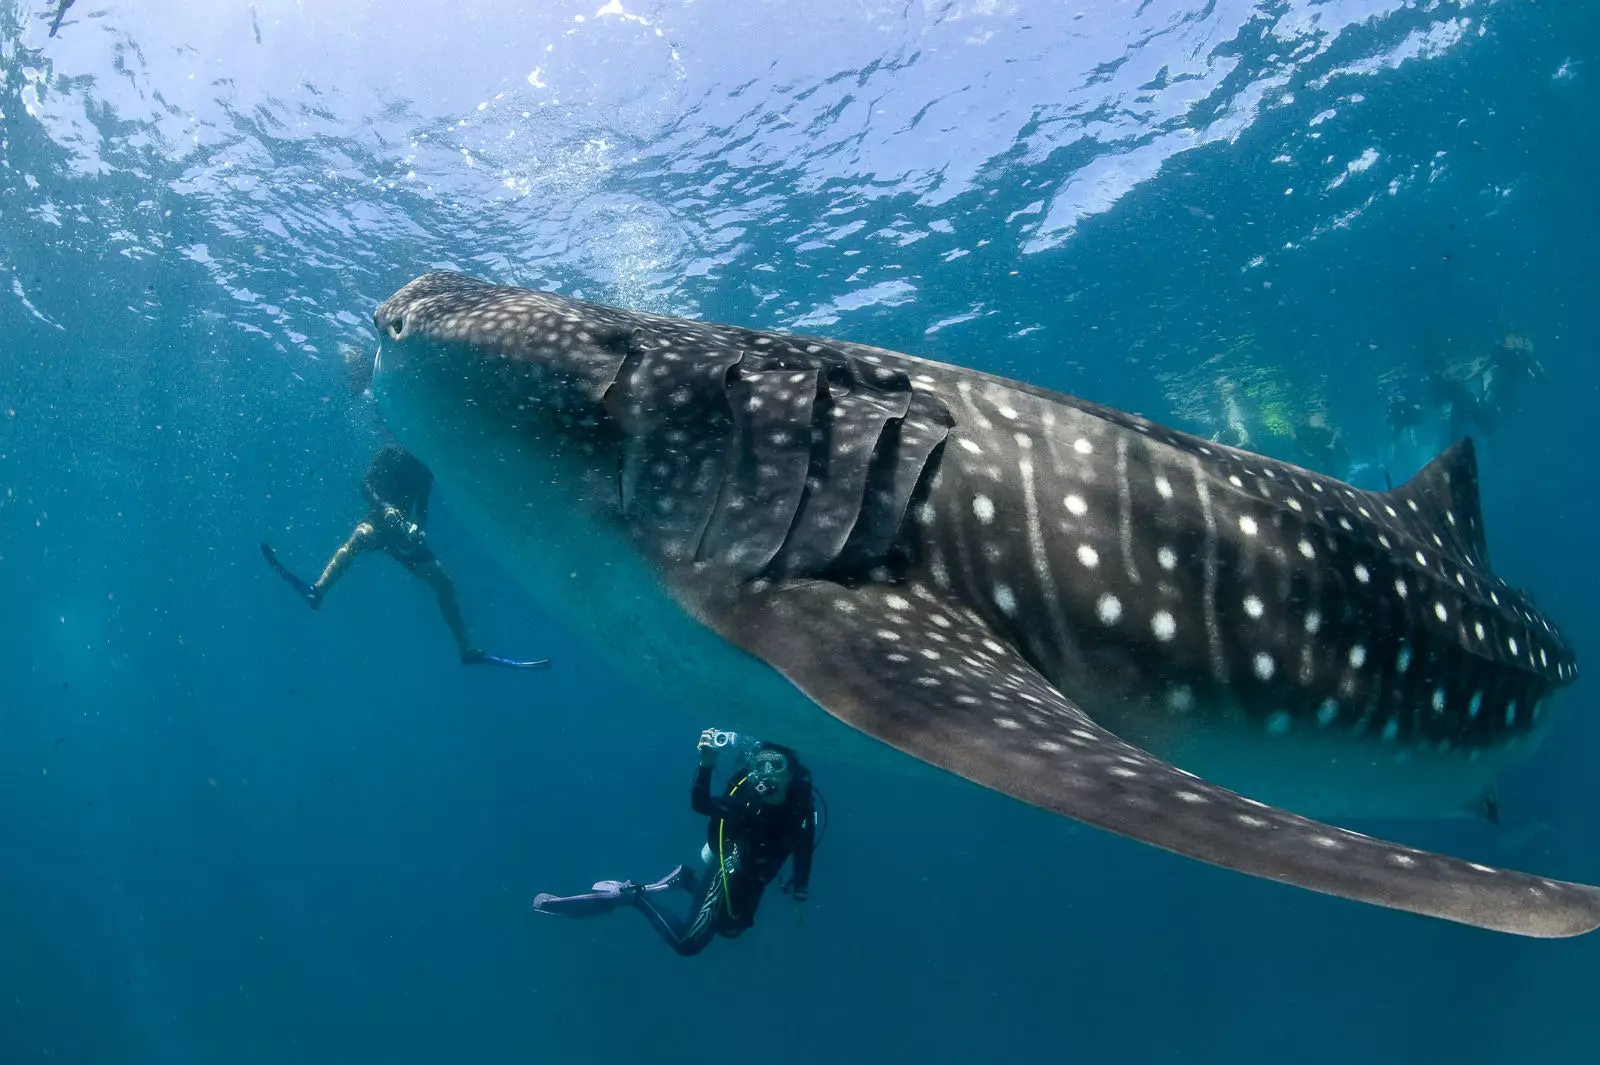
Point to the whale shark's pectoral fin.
(931, 678)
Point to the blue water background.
(235, 831)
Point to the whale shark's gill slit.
(908, 446)
(614, 397)
(628, 344)
(765, 474)
(677, 441)
(849, 425)
(899, 480)
(825, 494)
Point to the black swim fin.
(306, 591)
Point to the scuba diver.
(396, 486)
(766, 815)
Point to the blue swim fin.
(475, 657)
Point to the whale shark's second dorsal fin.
(1443, 500)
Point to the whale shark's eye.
(397, 326)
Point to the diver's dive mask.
(769, 772)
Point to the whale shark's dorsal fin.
(925, 674)
(1443, 496)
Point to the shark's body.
(1047, 597)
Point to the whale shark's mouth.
(1042, 596)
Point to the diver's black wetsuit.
(750, 839)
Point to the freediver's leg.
(362, 539)
(432, 571)
(433, 574)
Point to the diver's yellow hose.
(722, 863)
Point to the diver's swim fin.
(478, 658)
(589, 904)
(305, 590)
(606, 896)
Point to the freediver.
(396, 487)
(766, 815)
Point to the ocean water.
(236, 831)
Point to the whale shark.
(1181, 642)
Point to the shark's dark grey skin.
(1050, 598)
